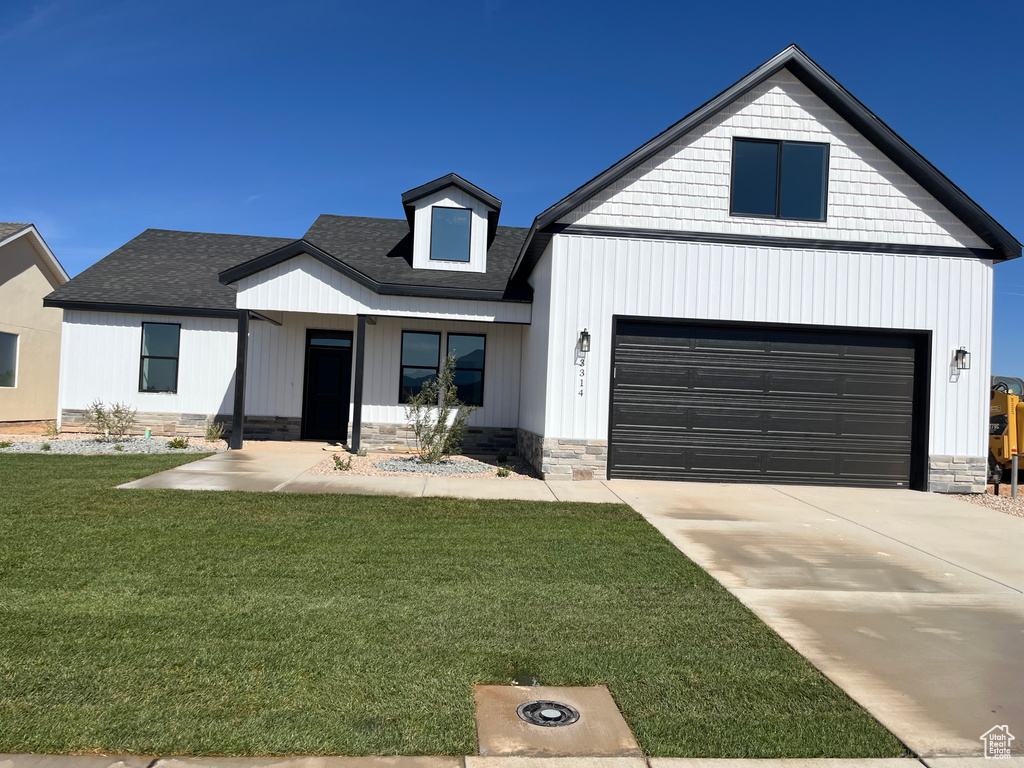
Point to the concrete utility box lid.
(600, 731)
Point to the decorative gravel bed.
(446, 467)
(1002, 503)
(66, 444)
(385, 464)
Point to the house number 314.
(583, 374)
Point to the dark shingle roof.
(8, 228)
(381, 249)
(165, 268)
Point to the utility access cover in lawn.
(170, 622)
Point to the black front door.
(328, 379)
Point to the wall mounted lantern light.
(963, 359)
(584, 341)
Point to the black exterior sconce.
(963, 359)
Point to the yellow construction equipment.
(1005, 428)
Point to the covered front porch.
(343, 378)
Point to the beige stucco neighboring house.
(29, 332)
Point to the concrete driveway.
(911, 602)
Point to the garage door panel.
(762, 405)
(805, 384)
(894, 388)
(729, 380)
(803, 424)
(898, 426)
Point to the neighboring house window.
(158, 371)
(449, 233)
(8, 360)
(779, 179)
(421, 351)
(468, 350)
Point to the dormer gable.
(453, 224)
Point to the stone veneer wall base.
(564, 458)
(195, 424)
(957, 474)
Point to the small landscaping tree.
(115, 421)
(437, 417)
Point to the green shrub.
(52, 430)
(115, 421)
(178, 443)
(342, 464)
(361, 452)
(437, 417)
(119, 447)
(45, 447)
(5, 443)
(504, 471)
(215, 431)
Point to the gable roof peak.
(450, 180)
(824, 86)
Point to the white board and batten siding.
(686, 186)
(101, 355)
(594, 278)
(450, 197)
(533, 394)
(303, 284)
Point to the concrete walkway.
(280, 467)
(911, 602)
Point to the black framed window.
(8, 360)
(468, 350)
(779, 179)
(158, 370)
(421, 355)
(449, 233)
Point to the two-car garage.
(732, 402)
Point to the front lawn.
(186, 622)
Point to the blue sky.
(253, 117)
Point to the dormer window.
(452, 222)
(450, 233)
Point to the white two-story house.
(777, 288)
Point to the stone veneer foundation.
(374, 435)
(564, 458)
(957, 474)
(195, 424)
(476, 439)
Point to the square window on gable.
(779, 179)
(449, 233)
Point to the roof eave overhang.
(805, 69)
(299, 247)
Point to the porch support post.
(238, 417)
(357, 395)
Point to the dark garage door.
(751, 404)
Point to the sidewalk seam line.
(898, 541)
(613, 493)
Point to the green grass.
(183, 622)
